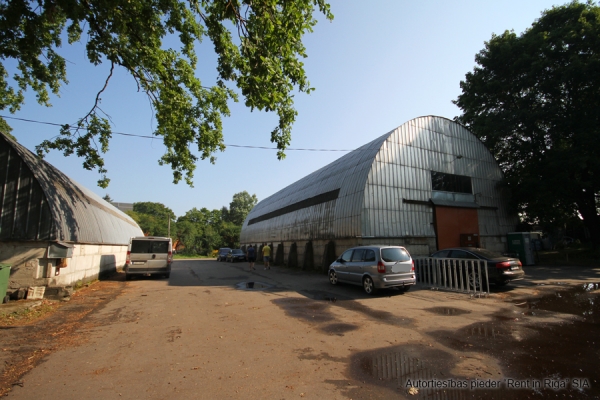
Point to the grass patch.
(188, 256)
(28, 315)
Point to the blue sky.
(376, 66)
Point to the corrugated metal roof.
(374, 180)
(39, 202)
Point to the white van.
(149, 255)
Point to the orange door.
(450, 222)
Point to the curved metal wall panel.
(24, 210)
(402, 170)
(327, 220)
(375, 179)
(48, 205)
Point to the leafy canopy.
(533, 100)
(153, 218)
(258, 44)
(240, 206)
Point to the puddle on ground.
(253, 286)
(581, 300)
(447, 311)
(415, 371)
(544, 355)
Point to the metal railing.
(456, 274)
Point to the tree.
(230, 234)
(533, 100)
(199, 230)
(153, 218)
(107, 198)
(189, 237)
(240, 206)
(263, 63)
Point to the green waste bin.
(520, 242)
(4, 276)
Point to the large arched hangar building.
(426, 185)
(54, 232)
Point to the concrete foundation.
(321, 253)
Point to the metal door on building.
(451, 222)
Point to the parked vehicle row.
(231, 255)
(379, 267)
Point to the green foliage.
(202, 231)
(240, 207)
(188, 236)
(533, 100)
(153, 218)
(6, 129)
(230, 234)
(158, 210)
(263, 62)
(198, 231)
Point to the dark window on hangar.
(450, 183)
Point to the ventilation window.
(450, 183)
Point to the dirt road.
(217, 330)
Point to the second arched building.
(427, 185)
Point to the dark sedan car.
(235, 255)
(501, 269)
(222, 254)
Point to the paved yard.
(217, 330)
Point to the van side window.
(347, 255)
(358, 255)
(370, 256)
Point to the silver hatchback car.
(374, 267)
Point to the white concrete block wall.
(30, 267)
(88, 262)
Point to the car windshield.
(238, 251)
(394, 254)
(224, 251)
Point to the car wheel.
(368, 285)
(167, 275)
(474, 281)
(333, 279)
